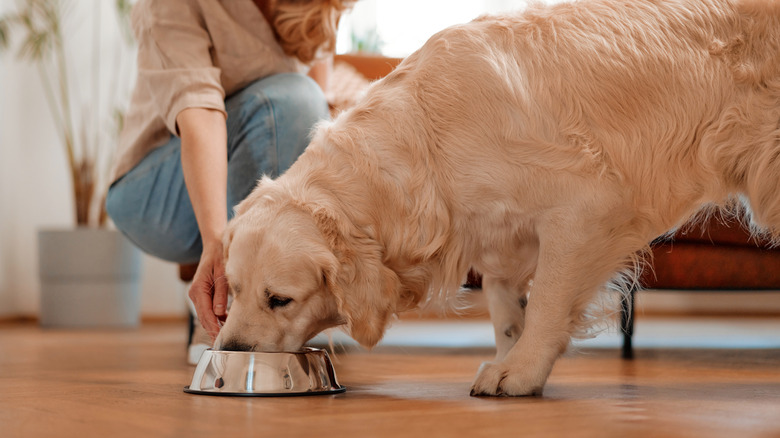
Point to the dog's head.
(295, 269)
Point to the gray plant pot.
(90, 278)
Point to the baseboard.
(655, 302)
(18, 319)
(649, 303)
(145, 319)
(164, 319)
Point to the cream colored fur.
(550, 145)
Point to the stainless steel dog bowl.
(241, 373)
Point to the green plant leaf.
(123, 10)
(37, 46)
(119, 119)
(123, 7)
(4, 43)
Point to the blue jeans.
(268, 127)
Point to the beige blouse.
(192, 53)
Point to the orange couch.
(714, 256)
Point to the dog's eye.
(274, 301)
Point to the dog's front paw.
(489, 378)
(496, 379)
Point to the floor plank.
(129, 383)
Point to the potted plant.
(90, 274)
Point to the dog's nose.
(234, 345)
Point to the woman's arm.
(204, 163)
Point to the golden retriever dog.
(545, 149)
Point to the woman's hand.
(209, 289)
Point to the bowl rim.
(340, 390)
(304, 350)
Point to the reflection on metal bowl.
(242, 373)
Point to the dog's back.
(662, 99)
(670, 106)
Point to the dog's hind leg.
(577, 256)
(506, 303)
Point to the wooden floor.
(129, 384)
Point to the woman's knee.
(179, 244)
(269, 126)
(299, 92)
(296, 115)
(287, 91)
(294, 103)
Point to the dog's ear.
(366, 289)
(227, 239)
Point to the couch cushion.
(687, 265)
(716, 230)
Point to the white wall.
(405, 25)
(34, 182)
(6, 298)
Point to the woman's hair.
(307, 28)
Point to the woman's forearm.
(204, 162)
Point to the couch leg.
(627, 323)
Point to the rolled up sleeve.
(175, 64)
